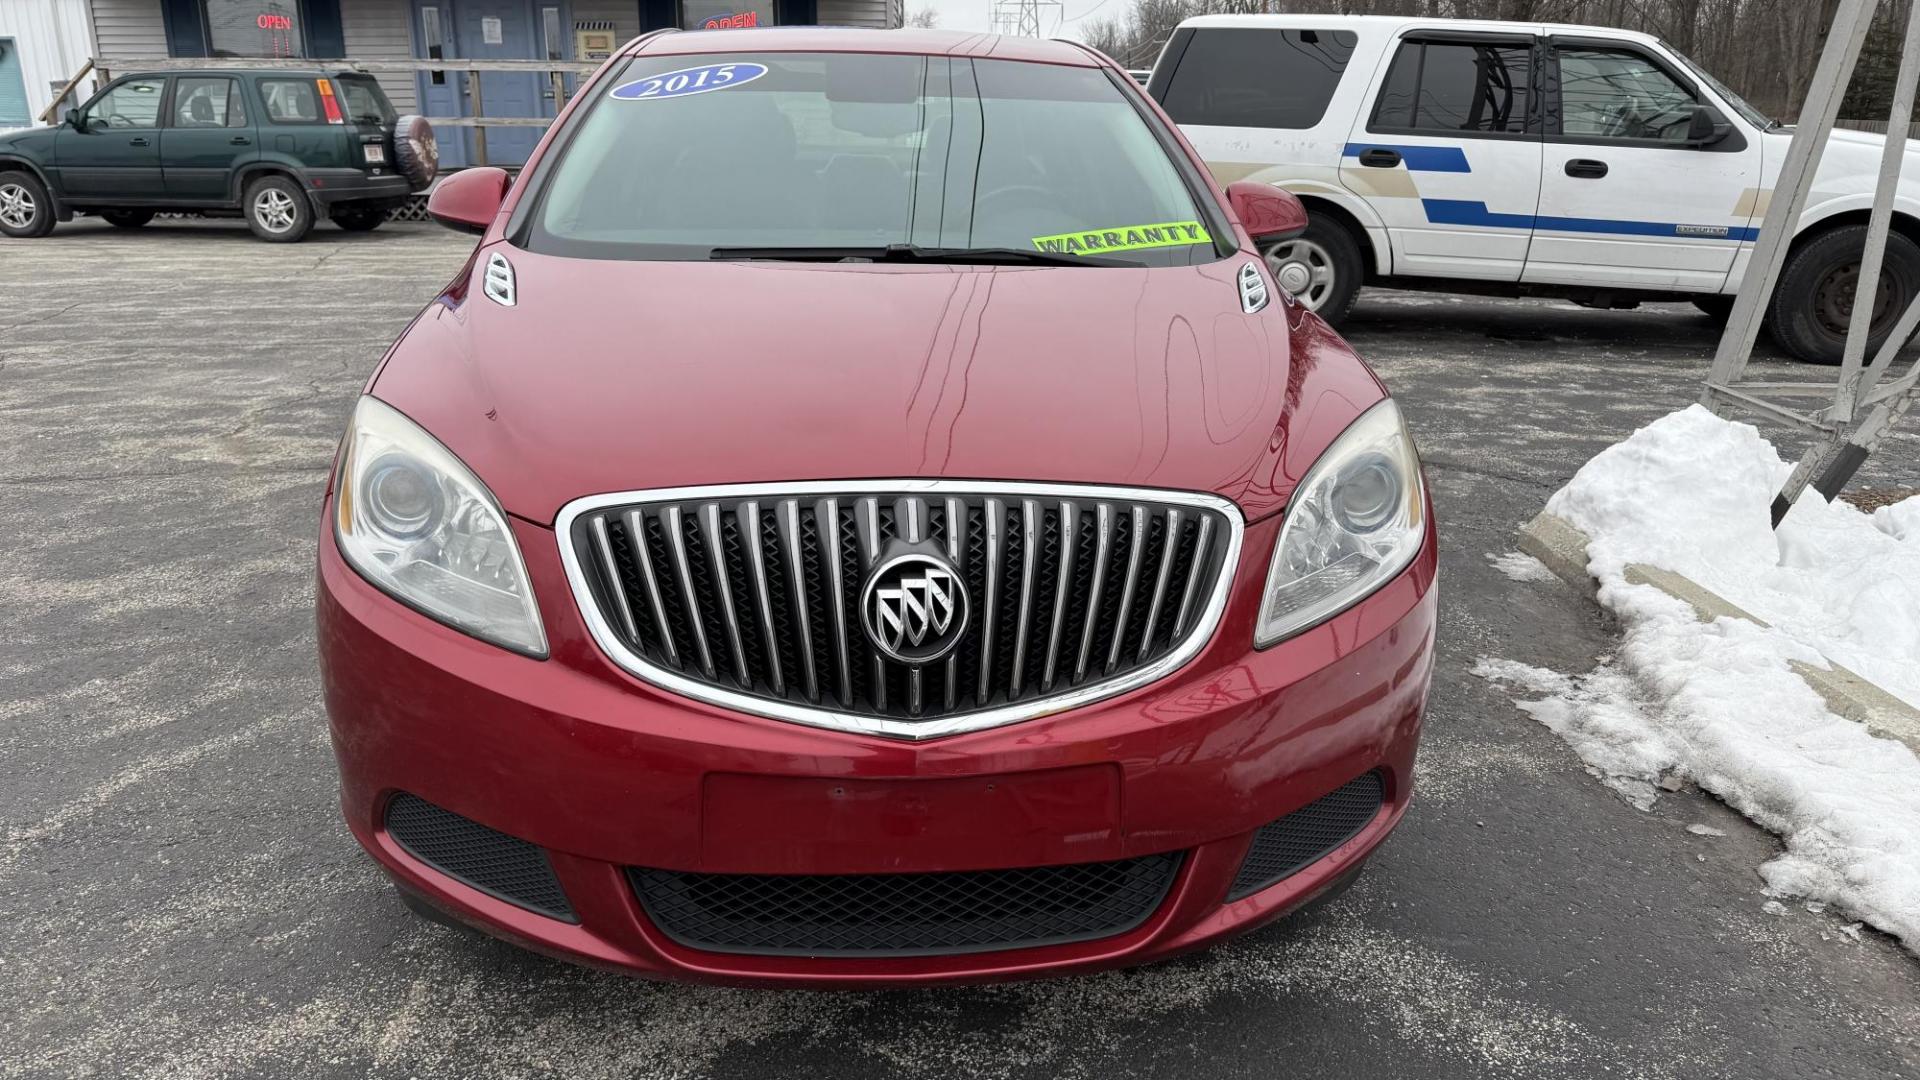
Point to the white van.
(1510, 159)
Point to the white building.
(43, 43)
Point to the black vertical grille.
(761, 596)
(1289, 845)
(493, 862)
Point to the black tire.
(416, 151)
(1811, 307)
(26, 210)
(359, 220)
(277, 210)
(127, 219)
(1717, 308)
(1326, 259)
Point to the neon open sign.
(274, 22)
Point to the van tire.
(26, 210)
(1807, 316)
(1325, 265)
(277, 210)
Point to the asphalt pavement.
(179, 897)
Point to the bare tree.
(924, 19)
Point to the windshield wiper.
(990, 256)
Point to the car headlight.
(1355, 521)
(417, 523)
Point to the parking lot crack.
(44, 318)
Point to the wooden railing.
(556, 72)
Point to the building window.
(556, 46)
(435, 40)
(726, 14)
(254, 28)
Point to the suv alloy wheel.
(25, 208)
(278, 210)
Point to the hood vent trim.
(498, 283)
(1254, 293)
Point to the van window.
(1455, 86)
(1258, 78)
(1614, 94)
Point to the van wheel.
(1813, 304)
(278, 210)
(1322, 268)
(25, 208)
(127, 219)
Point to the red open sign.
(732, 22)
(274, 22)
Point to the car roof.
(1397, 23)
(854, 39)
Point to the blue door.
(440, 90)
(483, 30)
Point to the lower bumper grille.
(502, 866)
(904, 914)
(1285, 847)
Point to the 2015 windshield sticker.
(1126, 238)
(689, 81)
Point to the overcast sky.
(977, 14)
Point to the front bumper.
(607, 773)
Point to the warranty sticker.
(1126, 238)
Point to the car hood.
(1849, 155)
(612, 376)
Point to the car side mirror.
(469, 200)
(75, 119)
(1265, 211)
(1706, 126)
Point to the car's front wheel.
(1322, 267)
(1813, 305)
(278, 210)
(25, 208)
(127, 219)
(359, 220)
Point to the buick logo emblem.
(914, 607)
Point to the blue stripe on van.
(1451, 159)
(1472, 212)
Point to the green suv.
(282, 147)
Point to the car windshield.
(1752, 115)
(852, 155)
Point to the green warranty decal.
(1126, 238)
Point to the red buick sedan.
(865, 514)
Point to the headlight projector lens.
(402, 497)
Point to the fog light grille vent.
(502, 866)
(904, 914)
(1287, 846)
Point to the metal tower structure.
(1871, 396)
(1025, 18)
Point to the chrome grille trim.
(1216, 547)
(637, 544)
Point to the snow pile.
(1691, 492)
(1717, 702)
